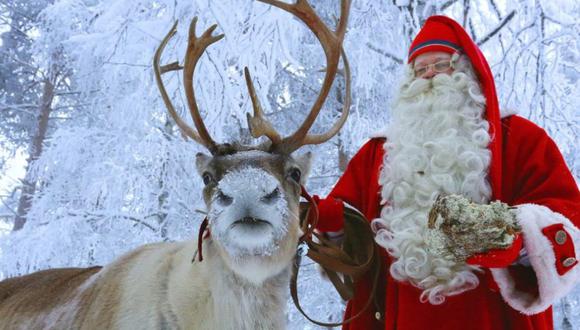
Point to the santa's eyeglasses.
(438, 67)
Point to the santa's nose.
(430, 73)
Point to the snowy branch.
(495, 31)
(384, 53)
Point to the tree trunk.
(29, 184)
(163, 197)
(342, 155)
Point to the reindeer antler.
(195, 49)
(331, 42)
(258, 124)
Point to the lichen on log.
(459, 228)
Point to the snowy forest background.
(91, 165)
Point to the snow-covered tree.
(117, 173)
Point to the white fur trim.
(382, 133)
(551, 286)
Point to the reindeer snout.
(249, 193)
(244, 196)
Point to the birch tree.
(32, 82)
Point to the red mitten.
(330, 214)
(498, 258)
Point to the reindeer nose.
(272, 197)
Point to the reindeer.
(242, 267)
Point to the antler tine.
(331, 42)
(258, 124)
(320, 138)
(195, 49)
(159, 70)
(174, 66)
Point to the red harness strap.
(311, 221)
(330, 257)
(335, 260)
(200, 237)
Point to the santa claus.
(447, 137)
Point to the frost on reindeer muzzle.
(249, 212)
(251, 222)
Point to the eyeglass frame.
(431, 66)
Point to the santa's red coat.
(535, 178)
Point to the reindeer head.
(252, 192)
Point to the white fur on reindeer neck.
(437, 143)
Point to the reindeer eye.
(271, 197)
(207, 178)
(224, 199)
(295, 175)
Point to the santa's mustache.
(459, 81)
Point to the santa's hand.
(498, 258)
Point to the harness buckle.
(302, 249)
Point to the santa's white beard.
(437, 144)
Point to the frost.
(237, 182)
(115, 172)
(243, 193)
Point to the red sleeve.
(538, 182)
(538, 171)
(353, 187)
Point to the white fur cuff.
(552, 255)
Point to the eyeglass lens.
(438, 67)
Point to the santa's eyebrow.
(437, 59)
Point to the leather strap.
(359, 255)
(352, 261)
(200, 236)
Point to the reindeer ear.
(304, 161)
(202, 162)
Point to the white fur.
(247, 186)
(240, 284)
(158, 287)
(552, 286)
(382, 133)
(199, 295)
(437, 129)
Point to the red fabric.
(332, 210)
(445, 29)
(533, 172)
(498, 258)
(526, 167)
(435, 36)
(359, 187)
(566, 249)
(313, 213)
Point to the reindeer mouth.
(251, 222)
